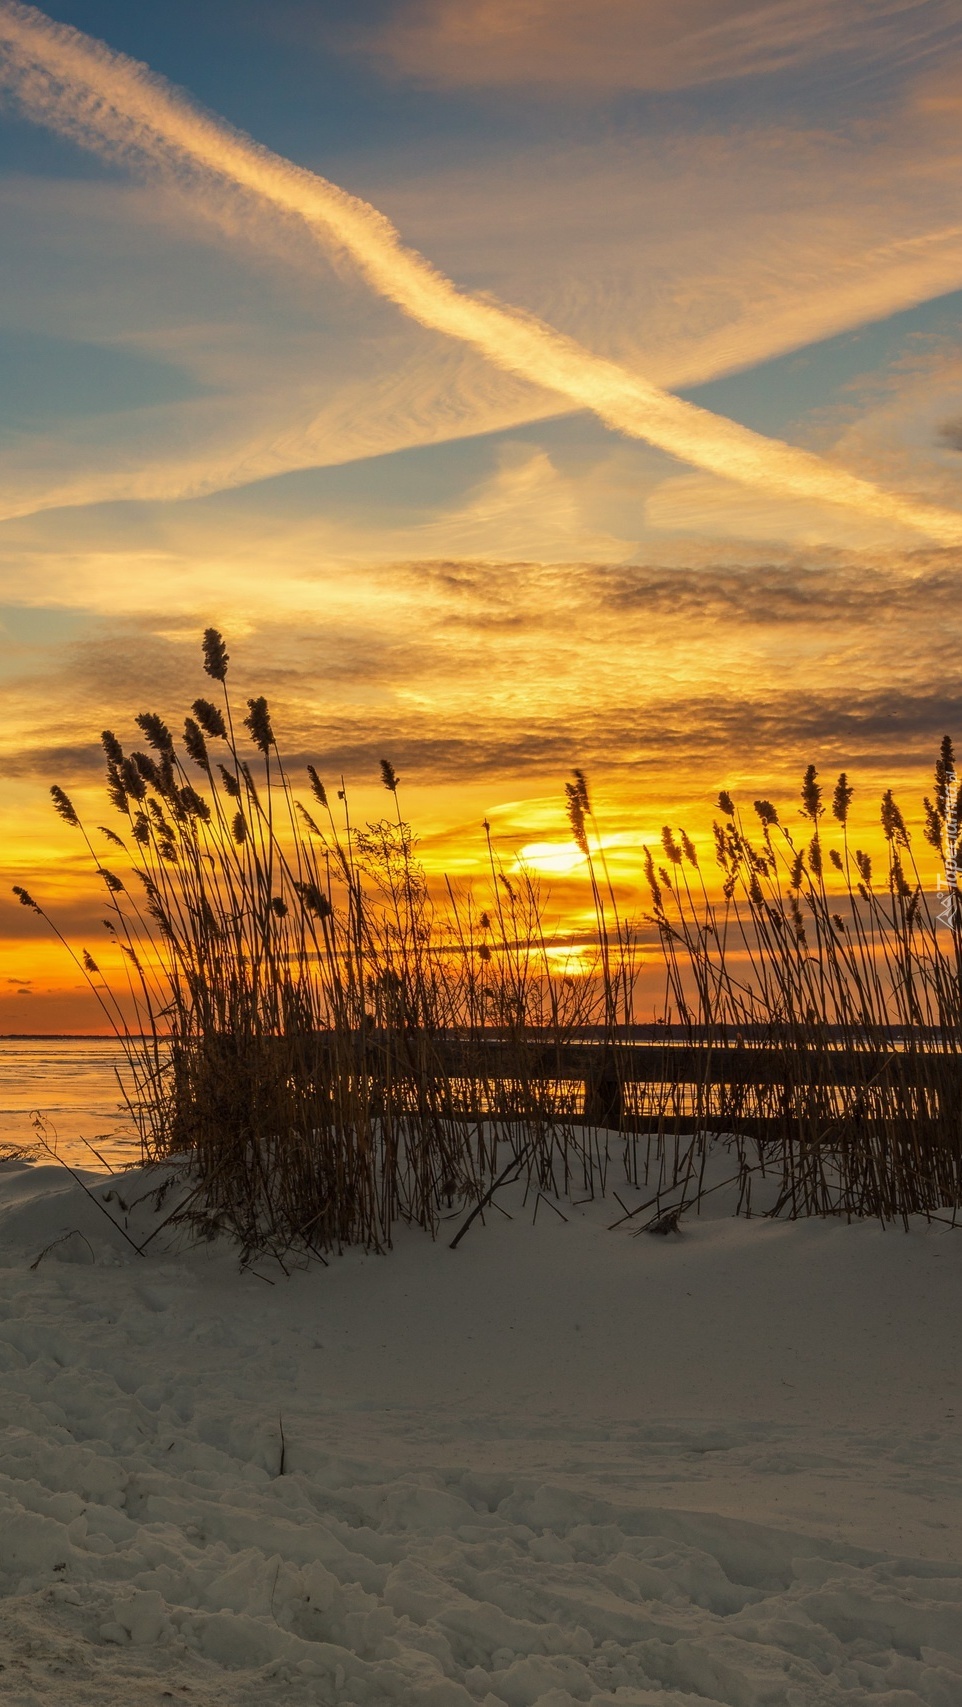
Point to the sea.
(71, 1084)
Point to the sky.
(518, 384)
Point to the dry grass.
(334, 1052)
(292, 995)
(848, 986)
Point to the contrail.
(117, 107)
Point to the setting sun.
(558, 857)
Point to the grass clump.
(333, 1052)
(293, 995)
(825, 996)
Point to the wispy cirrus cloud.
(645, 44)
(691, 256)
(114, 106)
(276, 373)
(656, 254)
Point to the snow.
(560, 1464)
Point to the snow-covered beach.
(559, 1464)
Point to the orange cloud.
(640, 44)
(485, 683)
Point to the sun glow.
(572, 959)
(557, 858)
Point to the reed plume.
(333, 1051)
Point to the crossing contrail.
(117, 107)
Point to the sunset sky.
(518, 384)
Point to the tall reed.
(292, 993)
(334, 1050)
(848, 981)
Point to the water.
(72, 1082)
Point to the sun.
(557, 858)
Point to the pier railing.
(639, 1078)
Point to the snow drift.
(558, 1465)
